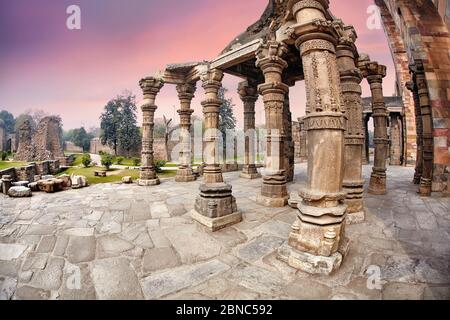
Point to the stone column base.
(149, 183)
(272, 202)
(313, 264)
(425, 187)
(250, 176)
(377, 185)
(215, 224)
(215, 207)
(355, 217)
(185, 175)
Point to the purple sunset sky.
(74, 73)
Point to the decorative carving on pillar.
(215, 207)
(354, 136)
(365, 152)
(396, 140)
(375, 73)
(317, 243)
(270, 61)
(186, 93)
(150, 87)
(289, 145)
(419, 131)
(418, 74)
(248, 92)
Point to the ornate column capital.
(373, 71)
(186, 91)
(248, 91)
(212, 79)
(150, 86)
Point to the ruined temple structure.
(43, 144)
(301, 40)
(2, 136)
(396, 129)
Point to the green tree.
(119, 124)
(227, 120)
(107, 161)
(80, 137)
(9, 121)
(128, 134)
(86, 160)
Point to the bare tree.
(168, 131)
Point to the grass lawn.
(127, 162)
(77, 161)
(114, 175)
(11, 164)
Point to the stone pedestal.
(269, 60)
(150, 87)
(186, 94)
(249, 95)
(375, 73)
(317, 243)
(354, 135)
(215, 207)
(6, 184)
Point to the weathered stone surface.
(79, 232)
(159, 210)
(257, 279)
(7, 288)
(159, 259)
(199, 247)
(19, 192)
(46, 245)
(30, 293)
(70, 290)
(111, 246)
(315, 291)
(35, 261)
(49, 278)
(115, 279)
(402, 291)
(81, 249)
(259, 247)
(161, 284)
(11, 251)
(40, 230)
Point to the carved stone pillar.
(249, 95)
(289, 146)
(186, 93)
(365, 151)
(354, 135)
(427, 127)
(395, 136)
(303, 139)
(269, 59)
(419, 131)
(375, 73)
(215, 207)
(317, 243)
(150, 87)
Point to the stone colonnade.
(334, 135)
(374, 73)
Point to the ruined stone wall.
(44, 144)
(96, 147)
(2, 136)
(418, 29)
(29, 173)
(69, 146)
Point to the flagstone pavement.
(117, 241)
